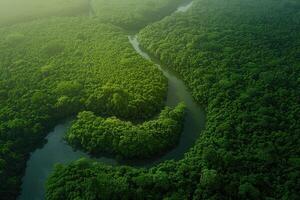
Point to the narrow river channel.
(42, 161)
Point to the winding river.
(42, 161)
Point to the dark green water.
(42, 161)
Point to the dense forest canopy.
(98, 135)
(133, 14)
(239, 58)
(52, 69)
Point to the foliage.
(241, 59)
(133, 14)
(52, 69)
(97, 181)
(98, 135)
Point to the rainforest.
(149, 99)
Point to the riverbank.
(39, 165)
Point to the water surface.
(42, 161)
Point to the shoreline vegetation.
(240, 62)
(239, 58)
(97, 135)
(71, 71)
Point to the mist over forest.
(149, 99)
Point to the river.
(56, 150)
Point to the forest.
(68, 73)
(133, 15)
(244, 66)
(98, 135)
(239, 59)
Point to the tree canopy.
(54, 68)
(98, 135)
(241, 60)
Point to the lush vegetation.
(240, 59)
(86, 179)
(52, 69)
(98, 135)
(133, 14)
(14, 11)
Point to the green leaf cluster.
(98, 135)
(241, 60)
(52, 69)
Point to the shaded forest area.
(52, 69)
(98, 135)
(133, 15)
(241, 60)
